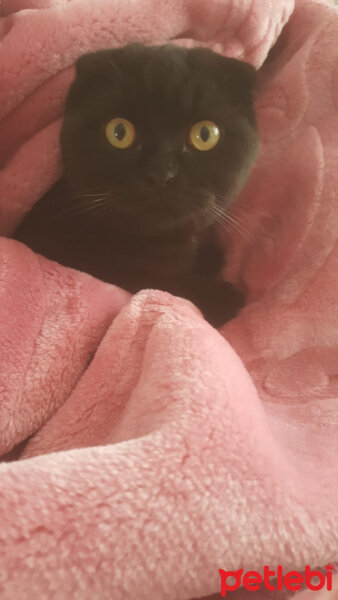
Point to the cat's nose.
(155, 175)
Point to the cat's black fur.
(161, 198)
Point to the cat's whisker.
(256, 217)
(224, 217)
(241, 228)
(84, 202)
(251, 209)
(115, 70)
(246, 206)
(228, 228)
(90, 196)
(238, 222)
(218, 211)
(231, 228)
(69, 199)
(83, 208)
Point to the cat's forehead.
(167, 85)
(167, 80)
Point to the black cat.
(156, 143)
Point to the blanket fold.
(159, 450)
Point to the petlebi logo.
(291, 580)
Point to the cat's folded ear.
(89, 68)
(104, 61)
(89, 65)
(239, 76)
(84, 64)
(236, 77)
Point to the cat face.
(162, 133)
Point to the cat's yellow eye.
(204, 135)
(120, 133)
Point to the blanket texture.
(161, 450)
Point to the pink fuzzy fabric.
(162, 449)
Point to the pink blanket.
(162, 450)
